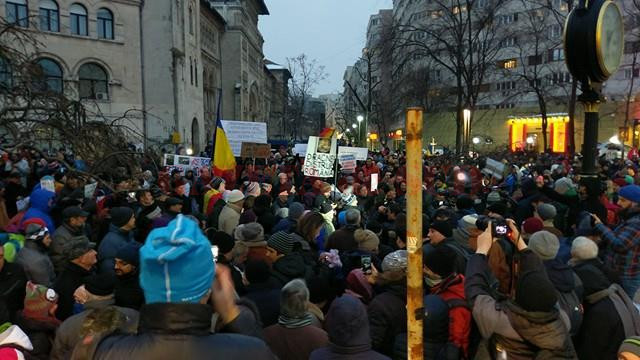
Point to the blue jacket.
(40, 208)
(109, 246)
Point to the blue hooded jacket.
(40, 208)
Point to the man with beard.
(623, 242)
(128, 292)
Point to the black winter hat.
(222, 240)
(100, 285)
(441, 260)
(499, 208)
(464, 202)
(120, 216)
(535, 292)
(443, 227)
(257, 271)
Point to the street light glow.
(614, 140)
(348, 130)
(354, 126)
(530, 140)
(189, 151)
(476, 140)
(360, 118)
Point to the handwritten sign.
(238, 132)
(253, 150)
(347, 163)
(319, 165)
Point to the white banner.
(319, 165)
(244, 131)
(184, 163)
(360, 153)
(494, 168)
(300, 149)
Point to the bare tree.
(305, 75)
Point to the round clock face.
(609, 38)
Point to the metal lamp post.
(466, 130)
(360, 118)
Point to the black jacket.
(128, 292)
(388, 317)
(66, 284)
(12, 287)
(266, 297)
(290, 267)
(183, 331)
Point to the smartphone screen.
(214, 252)
(365, 261)
(501, 230)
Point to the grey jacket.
(70, 331)
(229, 218)
(36, 264)
(60, 239)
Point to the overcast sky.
(330, 31)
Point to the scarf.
(295, 323)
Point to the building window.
(49, 16)
(481, 3)
(16, 12)
(507, 19)
(105, 24)
(191, 70)
(555, 31)
(48, 74)
(190, 20)
(374, 22)
(195, 70)
(94, 82)
(535, 60)
(508, 42)
(78, 15)
(627, 73)
(508, 64)
(6, 77)
(556, 55)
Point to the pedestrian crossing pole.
(415, 307)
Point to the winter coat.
(520, 333)
(128, 292)
(266, 297)
(342, 239)
(460, 316)
(12, 287)
(40, 208)
(66, 284)
(36, 264)
(290, 267)
(569, 289)
(388, 317)
(295, 344)
(183, 331)
(144, 221)
(109, 246)
(287, 225)
(58, 242)
(267, 220)
(14, 343)
(229, 218)
(69, 332)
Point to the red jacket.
(460, 317)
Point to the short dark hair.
(140, 193)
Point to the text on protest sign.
(184, 163)
(347, 163)
(253, 150)
(494, 168)
(238, 132)
(359, 153)
(319, 165)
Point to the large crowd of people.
(526, 260)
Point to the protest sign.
(374, 182)
(89, 190)
(253, 150)
(359, 153)
(300, 149)
(319, 165)
(347, 163)
(184, 163)
(238, 132)
(48, 183)
(494, 168)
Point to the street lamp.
(360, 118)
(354, 126)
(476, 140)
(466, 128)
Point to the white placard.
(48, 183)
(347, 163)
(300, 149)
(244, 131)
(361, 154)
(319, 165)
(494, 168)
(184, 163)
(374, 182)
(89, 190)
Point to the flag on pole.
(327, 132)
(224, 163)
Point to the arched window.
(195, 136)
(105, 24)
(49, 16)
(93, 82)
(16, 12)
(78, 15)
(190, 20)
(6, 76)
(48, 75)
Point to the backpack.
(475, 338)
(625, 308)
(570, 303)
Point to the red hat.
(532, 225)
(620, 182)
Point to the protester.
(262, 291)
(123, 221)
(127, 292)
(82, 259)
(33, 256)
(74, 219)
(230, 215)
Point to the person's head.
(145, 197)
(74, 216)
(279, 244)
(123, 218)
(403, 186)
(439, 262)
(80, 251)
(464, 202)
(347, 323)
(127, 259)
(310, 225)
(363, 191)
(40, 304)
(176, 264)
(325, 189)
(295, 211)
(294, 299)
(218, 184)
(583, 249)
(256, 272)
(367, 240)
(369, 162)
(545, 212)
(352, 217)
(223, 241)
(394, 266)
(283, 178)
(248, 203)
(544, 244)
(440, 230)
(630, 349)
(531, 226)
(173, 205)
(534, 290)
(629, 197)
(38, 234)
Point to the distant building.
(277, 124)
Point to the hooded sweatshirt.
(40, 208)
(12, 342)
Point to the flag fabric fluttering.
(327, 132)
(223, 161)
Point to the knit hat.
(395, 261)
(499, 208)
(100, 285)
(535, 292)
(222, 240)
(620, 182)
(39, 302)
(235, 196)
(176, 264)
(253, 189)
(129, 253)
(120, 216)
(562, 185)
(35, 232)
(628, 179)
(631, 193)
(441, 260)
(493, 197)
(295, 210)
(281, 242)
(73, 211)
(532, 225)
(443, 227)
(252, 234)
(630, 345)
(77, 246)
(367, 240)
(544, 244)
(546, 211)
(583, 248)
(216, 182)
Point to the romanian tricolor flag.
(223, 161)
(327, 132)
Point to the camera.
(499, 227)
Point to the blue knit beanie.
(631, 193)
(176, 265)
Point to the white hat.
(235, 196)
